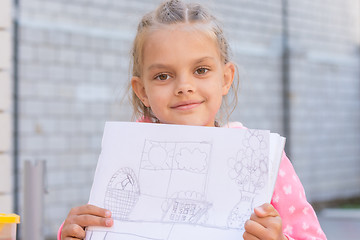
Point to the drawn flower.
(254, 140)
(249, 168)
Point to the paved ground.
(339, 224)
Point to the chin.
(189, 122)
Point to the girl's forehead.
(192, 33)
(177, 39)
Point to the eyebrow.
(203, 59)
(157, 65)
(161, 65)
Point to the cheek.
(157, 97)
(217, 95)
(219, 102)
(216, 89)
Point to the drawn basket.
(122, 193)
(120, 202)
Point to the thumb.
(266, 210)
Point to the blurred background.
(64, 71)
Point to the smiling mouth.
(186, 105)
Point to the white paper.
(182, 182)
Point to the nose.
(184, 85)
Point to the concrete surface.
(340, 224)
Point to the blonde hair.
(174, 12)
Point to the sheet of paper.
(182, 182)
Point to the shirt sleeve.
(298, 217)
(59, 232)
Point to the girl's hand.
(83, 216)
(264, 224)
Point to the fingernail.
(260, 209)
(107, 214)
(108, 222)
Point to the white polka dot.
(292, 209)
(288, 229)
(319, 231)
(305, 210)
(282, 173)
(294, 177)
(276, 198)
(305, 226)
(287, 189)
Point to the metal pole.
(15, 21)
(286, 76)
(34, 189)
(16, 104)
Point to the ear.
(139, 89)
(229, 72)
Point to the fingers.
(90, 220)
(263, 227)
(90, 209)
(83, 216)
(264, 223)
(248, 236)
(266, 210)
(253, 230)
(72, 231)
(89, 215)
(266, 215)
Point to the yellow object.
(9, 218)
(8, 226)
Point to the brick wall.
(325, 89)
(74, 72)
(6, 183)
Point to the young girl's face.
(183, 76)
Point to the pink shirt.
(298, 217)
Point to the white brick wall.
(6, 160)
(74, 58)
(5, 133)
(5, 90)
(5, 42)
(325, 89)
(5, 16)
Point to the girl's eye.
(162, 77)
(201, 71)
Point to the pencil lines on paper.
(159, 188)
(185, 207)
(122, 193)
(249, 171)
(186, 156)
(109, 235)
(172, 178)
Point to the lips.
(186, 105)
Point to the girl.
(181, 73)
